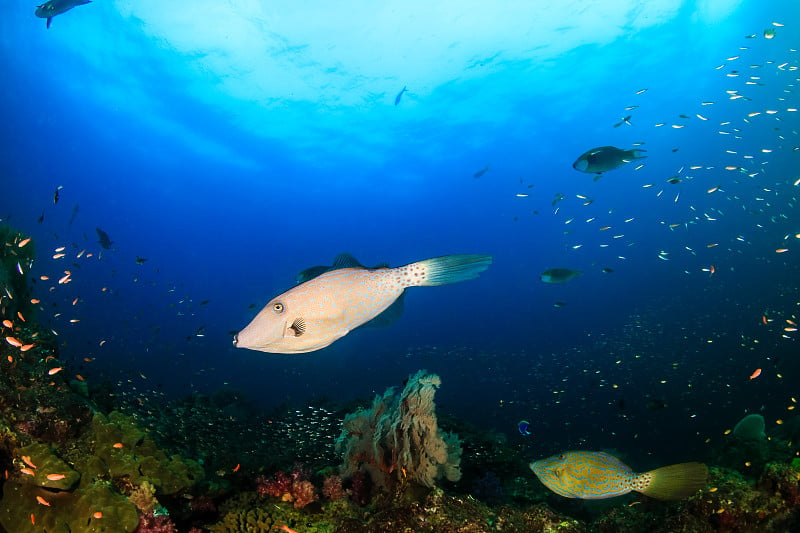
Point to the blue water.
(232, 145)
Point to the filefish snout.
(268, 327)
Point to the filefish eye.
(277, 307)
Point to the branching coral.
(398, 439)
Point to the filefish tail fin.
(638, 154)
(446, 269)
(672, 482)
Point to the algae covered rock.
(93, 509)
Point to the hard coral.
(150, 523)
(276, 486)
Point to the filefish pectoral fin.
(297, 328)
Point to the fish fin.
(345, 260)
(49, 20)
(389, 316)
(298, 327)
(446, 269)
(637, 153)
(599, 175)
(672, 482)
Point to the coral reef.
(94, 507)
(111, 469)
(124, 454)
(398, 440)
(72, 463)
(333, 488)
(294, 487)
(151, 523)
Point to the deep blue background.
(166, 162)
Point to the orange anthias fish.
(324, 309)
(598, 475)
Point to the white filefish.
(324, 309)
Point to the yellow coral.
(245, 521)
(144, 497)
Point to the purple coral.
(277, 486)
(149, 523)
(303, 493)
(293, 487)
(360, 488)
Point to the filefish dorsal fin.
(345, 260)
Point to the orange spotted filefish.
(598, 475)
(320, 311)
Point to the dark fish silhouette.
(73, 215)
(605, 158)
(559, 275)
(50, 9)
(399, 95)
(481, 172)
(103, 239)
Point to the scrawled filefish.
(324, 309)
(345, 260)
(598, 475)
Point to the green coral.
(124, 454)
(95, 508)
(245, 521)
(113, 458)
(47, 464)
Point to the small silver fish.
(320, 311)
